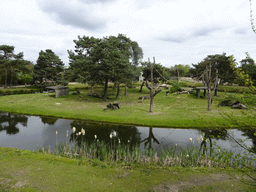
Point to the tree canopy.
(218, 61)
(249, 67)
(12, 64)
(48, 69)
(98, 61)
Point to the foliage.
(103, 60)
(175, 87)
(159, 72)
(180, 70)
(14, 66)
(48, 69)
(220, 62)
(240, 75)
(249, 67)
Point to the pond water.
(34, 132)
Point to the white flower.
(250, 146)
(56, 132)
(74, 129)
(114, 133)
(176, 144)
(128, 141)
(198, 140)
(202, 138)
(187, 156)
(119, 141)
(83, 131)
(190, 139)
(79, 133)
(95, 136)
(67, 133)
(206, 140)
(110, 136)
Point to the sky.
(172, 31)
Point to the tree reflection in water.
(148, 141)
(208, 135)
(9, 122)
(49, 120)
(127, 135)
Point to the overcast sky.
(174, 31)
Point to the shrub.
(175, 87)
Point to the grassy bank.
(23, 170)
(184, 111)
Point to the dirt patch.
(195, 182)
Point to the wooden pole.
(151, 90)
(209, 89)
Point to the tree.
(180, 70)
(220, 62)
(159, 73)
(99, 61)
(8, 59)
(240, 75)
(249, 67)
(48, 69)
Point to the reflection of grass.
(170, 111)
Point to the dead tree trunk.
(105, 90)
(152, 82)
(118, 90)
(92, 89)
(125, 89)
(143, 82)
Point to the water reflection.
(8, 122)
(148, 141)
(33, 133)
(49, 120)
(208, 136)
(127, 135)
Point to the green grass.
(183, 111)
(23, 170)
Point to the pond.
(34, 133)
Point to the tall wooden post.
(152, 87)
(209, 89)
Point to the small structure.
(59, 90)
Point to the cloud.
(94, 1)
(205, 31)
(173, 38)
(78, 14)
(189, 34)
(241, 30)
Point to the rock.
(224, 103)
(113, 106)
(116, 103)
(239, 106)
(145, 97)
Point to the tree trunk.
(11, 78)
(143, 82)
(114, 86)
(152, 87)
(125, 90)
(105, 90)
(92, 89)
(5, 83)
(209, 90)
(118, 90)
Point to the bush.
(175, 87)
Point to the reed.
(172, 156)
